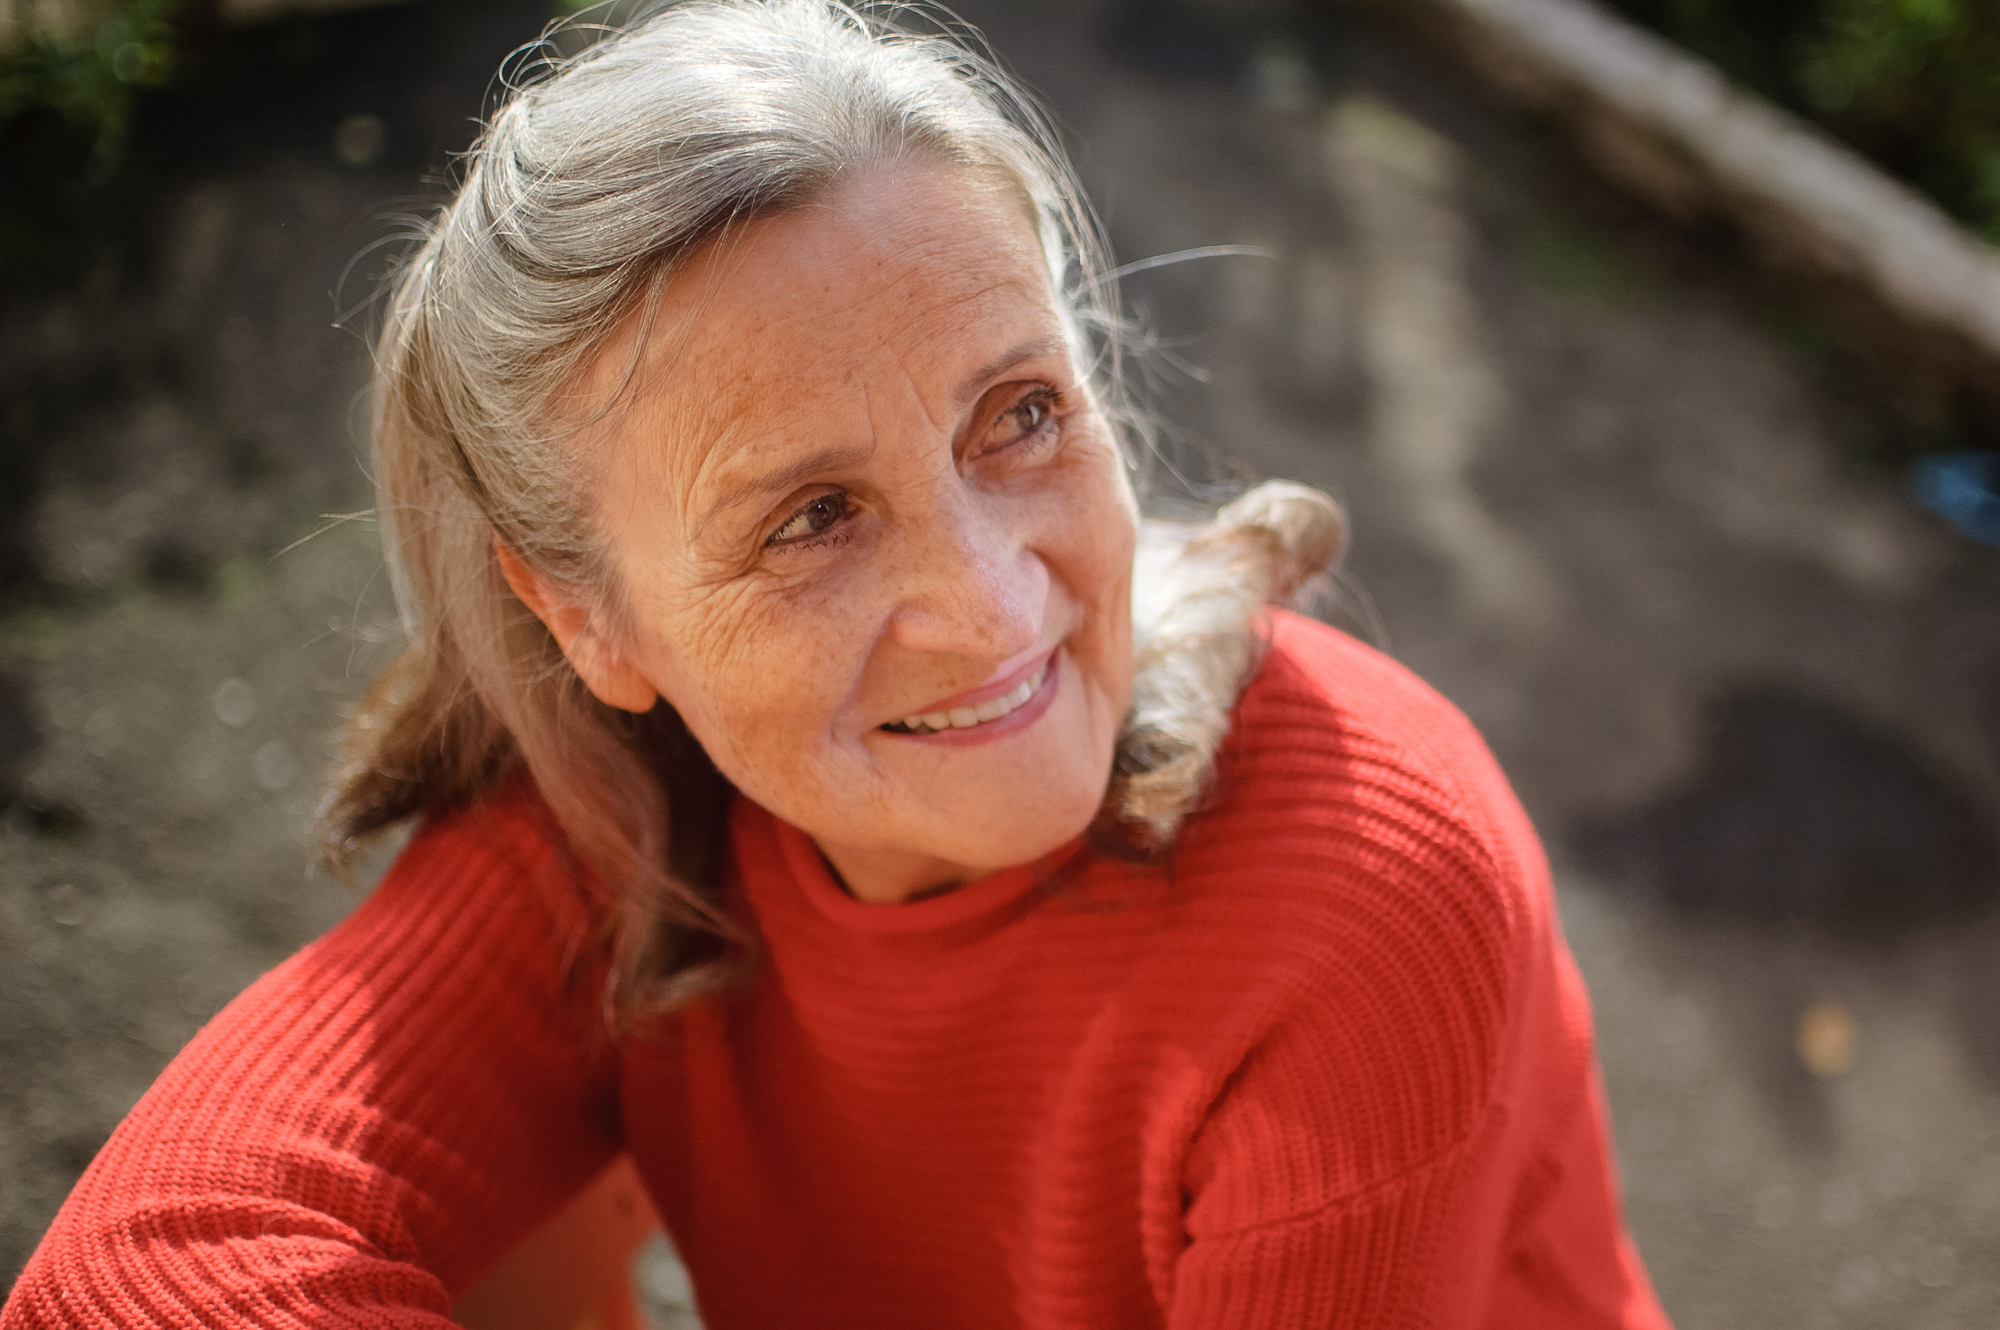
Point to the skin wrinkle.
(874, 346)
(649, 348)
(784, 478)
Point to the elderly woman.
(800, 810)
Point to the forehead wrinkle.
(923, 355)
(897, 370)
(729, 450)
(704, 404)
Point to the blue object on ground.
(1963, 489)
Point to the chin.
(968, 834)
(1014, 846)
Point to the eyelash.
(833, 533)
(1046, 396)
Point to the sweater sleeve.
(1415, 1135)
(365, 1130)
(1515, 1225)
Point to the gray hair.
(597, 179)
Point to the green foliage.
(1913, 84)
(91, 78)
(108, 114)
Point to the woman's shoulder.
(1362, 845)
(501, 856)
(1332, 734)
(1363, 885)
(509, 829)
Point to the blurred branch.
(1891, 268)
(1911, 84)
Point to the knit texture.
(1328, 1065)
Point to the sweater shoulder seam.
(1411, 1175)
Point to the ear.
(610, 677)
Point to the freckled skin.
(959, 505)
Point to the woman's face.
(874, 536)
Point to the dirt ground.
(1605, 496)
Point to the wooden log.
(1895, 275)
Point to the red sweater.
(1333, 1068)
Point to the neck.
(891, 877)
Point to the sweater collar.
(788, 882)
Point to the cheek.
(1092, 538)
(751, 672)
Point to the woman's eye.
(1029, 415)
(820, 515)
(1025, 419)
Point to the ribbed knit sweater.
(1329, 1065)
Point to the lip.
(1018, 719)
(998, 686)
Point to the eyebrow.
(783, 478)
(1006, 360)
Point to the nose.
(970, 585)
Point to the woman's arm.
(575, 1271)
(369, 1127)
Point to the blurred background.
(1700, 533)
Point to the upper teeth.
(964, 718)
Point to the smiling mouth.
(966, 718)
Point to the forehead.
(896, 245)
(883, 294)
